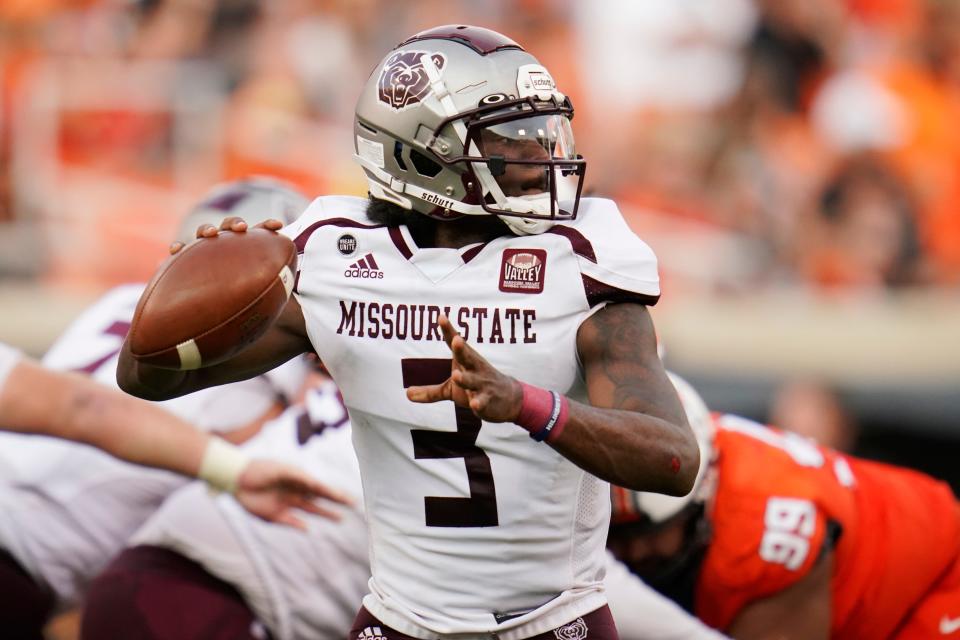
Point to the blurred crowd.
(754, 143)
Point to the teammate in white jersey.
(202, 554)
(66, 508)
(35, 400)
(470, 269)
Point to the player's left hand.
(473, 382)
(275, 491)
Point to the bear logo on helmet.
(403, 79)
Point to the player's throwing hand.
(231, 223)
(473, 383)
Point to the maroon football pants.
(25, 606)
(596, 625)
(152, 593)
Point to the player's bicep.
(618, 351)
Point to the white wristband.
(222, 465)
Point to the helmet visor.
(522, 154)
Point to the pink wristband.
(543, 413)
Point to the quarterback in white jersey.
(475, 274)
(300, 586)
(437, 481)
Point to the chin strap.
(387, 187)
(526, 226)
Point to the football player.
(784, 538)
(35, 400)
(202, 569)
(65, 508)
(472, 301)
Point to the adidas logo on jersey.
(371, 633)
(365, 267)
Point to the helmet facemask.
(520, 161)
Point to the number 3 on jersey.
(480, 509)
(789, 523)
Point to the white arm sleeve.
(643, 614)
(9, 357)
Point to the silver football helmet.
(655, 508)
(460, 120)
(254, 199)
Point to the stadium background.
(794, 163)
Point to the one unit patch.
(523, 270)
(347, 245)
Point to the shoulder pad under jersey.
(616, 265)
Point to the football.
(212, 299)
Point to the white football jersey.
(67, 508)
(8, 360)
(301, 586)
(475, 527)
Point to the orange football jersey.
(779, 497)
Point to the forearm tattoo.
(621, 343)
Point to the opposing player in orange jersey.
(783, 538)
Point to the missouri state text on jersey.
(402, 321)
(442, 483)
